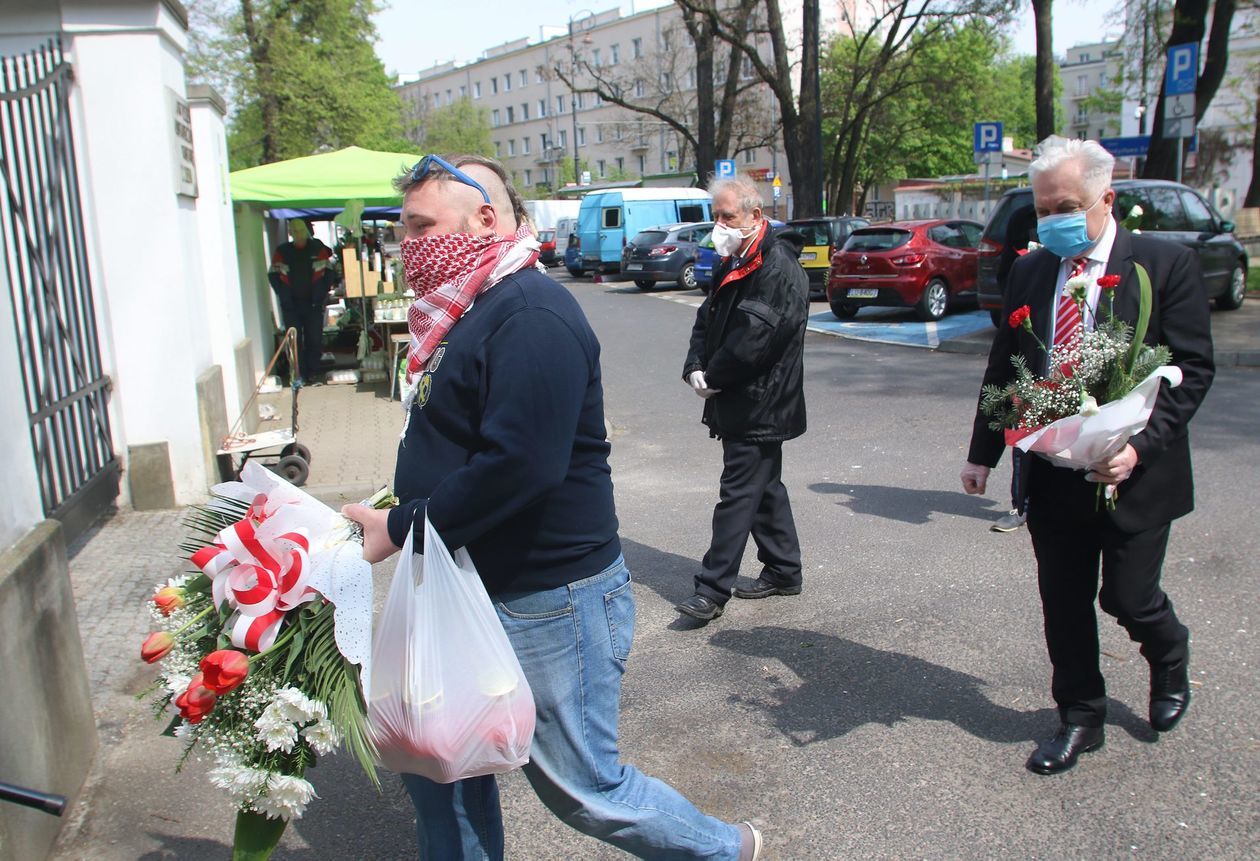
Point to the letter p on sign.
(988, 137)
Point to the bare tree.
(667, 86)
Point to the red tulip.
(1109, 282)
(196, 702)
(156, 646)
(224, 670)
(1019, 316)
(169, 599)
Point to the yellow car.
(824, 235)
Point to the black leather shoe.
(1170, 694)
(1057, 755)
(763, 588)
(699, 607)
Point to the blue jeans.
(572, 643)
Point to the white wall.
(20, 504)
(216, 235)
(252, 263)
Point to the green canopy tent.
(327, 180)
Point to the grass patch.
(1253, 279)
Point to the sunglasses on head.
(431, 162)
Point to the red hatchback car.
(925, 265)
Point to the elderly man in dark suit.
(1070, 535)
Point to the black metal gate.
(42, 242)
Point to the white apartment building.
(1085, 71)
(539, 124)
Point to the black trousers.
(307, 316)
(752, 499)
(1069, 545)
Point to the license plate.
(634, 267)
(808, 255)
(863, 293)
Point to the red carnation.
(1109, 282)
(1019, 316)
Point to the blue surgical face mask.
(1066, 234)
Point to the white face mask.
(727, 240)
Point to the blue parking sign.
(988, 137)
(1181, 75)
(724, 168)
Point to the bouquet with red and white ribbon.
(263, 648)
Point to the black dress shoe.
(1059, 754)
(699, 607)
(1170, 694)
(763, 588)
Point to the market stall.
(352, 184)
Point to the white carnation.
(322, 736)
(285, 797)
(239, 781)
(297, 706)
(275, 732)
(177, 683)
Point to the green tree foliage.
(460, 127)
(917, 120)
(302, 75)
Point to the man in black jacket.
(746, 362)
(1070, 534)
(302, 273)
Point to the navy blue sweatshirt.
(506, 447)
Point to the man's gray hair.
(404, 183)
(747, 195)
(1095, 162)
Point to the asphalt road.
(887, 711)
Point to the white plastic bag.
(448, 699)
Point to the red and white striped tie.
(1067, 319)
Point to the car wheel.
(1232, 299)
(844, 310)
(687, 277)
(996, 316)
(934, 301)
(645, 285)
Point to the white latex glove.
(701, 385)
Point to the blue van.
(607, 220)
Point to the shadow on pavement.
(907, 504)
(667, 574)
(845, 685)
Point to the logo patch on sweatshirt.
(426, 378)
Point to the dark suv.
(1169, 211)
(665, 253)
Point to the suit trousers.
(751, 499)
(1069, 544)
(307, 316)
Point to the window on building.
(525, 146)
(512, 146)
(621, 164)
(614, 55)
(494, 118)
(581, 136)
(603, 170)
(542, 142)
(524, 111)
(498, 150)
(542, 108)
(524, 77)
(559, 104)
(667, 81)
(511, 115)
(538, 75)
(596, 100)
(477, 89)
(642, 164)
(529, 176)
(639, 89)
(599, 134)
(507, 83)
(463, 92)
(636, 48)
(494, 86)
(448, 97)
(579, 101)
(691, 78)
(745, 69)
(564, 138)
(595, 58)
(750, 156)
(437, 100)
(665, 41)
(1082, 85)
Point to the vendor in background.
(302, 272)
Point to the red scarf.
(447, 272)
(752, 264)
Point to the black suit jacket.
(1161, 488)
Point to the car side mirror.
(1227, 227)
